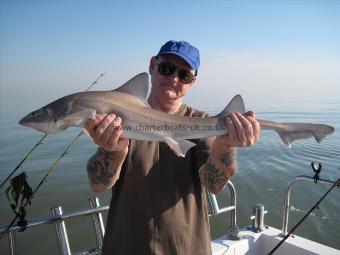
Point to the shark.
(141, 122)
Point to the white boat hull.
(262, 243)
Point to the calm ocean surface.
(264, 171)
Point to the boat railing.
(233, 230)
(287, 205)
(58, 220)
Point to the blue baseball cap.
(183, 49)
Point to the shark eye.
(35, 114)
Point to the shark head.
(44, 120)
(50, 118)
(58, 115)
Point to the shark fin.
(235, 105)
(79, 118)
(180, 147)
(137, 86)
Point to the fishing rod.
(27, 199)
(53, 166)
(39, 142)
(26, 190)
(337, 183)
(23, 160)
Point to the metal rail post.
(97, 221)
(232, 203)
(12, 243)
(233, 230)
(64, 245)
(287, 198)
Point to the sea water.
(263, 173)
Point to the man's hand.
(243, 131)
(106, 131)
(104, 166)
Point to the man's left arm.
(243, 131)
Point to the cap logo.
(176, 46)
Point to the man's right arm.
(104, 167)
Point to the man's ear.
(153, 63)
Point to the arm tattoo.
(213, 176)
(99, 167)
(229, 158)
(216, 175)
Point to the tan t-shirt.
(158, 205)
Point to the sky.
(255, 48)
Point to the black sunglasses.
(167, 69)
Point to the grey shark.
(141, 122)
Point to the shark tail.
(289, 132)
(296, 131)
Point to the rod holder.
(258, 218)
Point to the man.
(158, 203)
